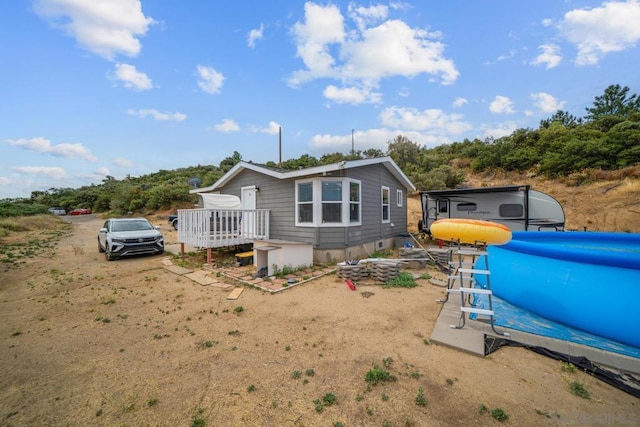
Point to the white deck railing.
(213, 228)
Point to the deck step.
(470, 252)
(473, 271)
(470, 291)
(477, 311)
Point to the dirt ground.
(84, 341)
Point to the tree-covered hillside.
(606, 138)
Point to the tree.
(403, 151)
(228, 162)
(615, 101)
(561, 117)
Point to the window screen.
(511, 210)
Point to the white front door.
(248, 197)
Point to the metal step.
(470, 291)
(473, 271)
(477, 311)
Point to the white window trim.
(382, 205)
(317, 203)
(399, 198)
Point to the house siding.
(279, 197)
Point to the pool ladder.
(464, 275)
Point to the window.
(305, 202)
(385, 204)
(442, 206)
(331, 201)
(354, 202)
(328, 202)
(511, 210)
(399, 198)
(466, 207)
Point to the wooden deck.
(211, 228)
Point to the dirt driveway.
(84, 341)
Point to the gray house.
(343, 210)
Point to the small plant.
(310, 372)
(329, 399)
(386, 362)
(287, 348)
(568, 367)
(384, 397)
(108, 300)
(238, 309)
(296, 375)
(208, 344)
(251, 388)
(16, 333)
(415, 375)
(235, 333)
(421, 400)
(318, 405)
(197, 421)
(376, 375)
(152, 402)
(579, 390)
(499, 415)
(426, 341)
(359, 398)
(402, 280)
(482, 409)
(338, 424)
(449, 381)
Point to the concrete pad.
(177, 269)
(201, 278)
(235, 294)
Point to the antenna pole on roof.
(279, 146)
(352, 146)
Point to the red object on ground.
(440, 243)
(351, 285)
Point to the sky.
(97, 88)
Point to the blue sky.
(92, 88)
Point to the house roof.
(316, 170)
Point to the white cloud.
(4, 180)
(546, 103)
(503, 129)
(178, 117)
(322, 26)
(550, 56)
(352, 95)
(104, 27)
(547, 22)
(121, 162)
(43, 145)
(210, 80)
(101, 172)
(371, 138)
(365, 16)
(612, 27)
(431, 120)
(362, 56)
(501, 105)
(272, 129)
(51, 172)
(132, 78)
(255, 34)
(459, 102)
(227, 125)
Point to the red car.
(81, 211)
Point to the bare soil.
(84, 341)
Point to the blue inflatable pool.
(587, 280)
